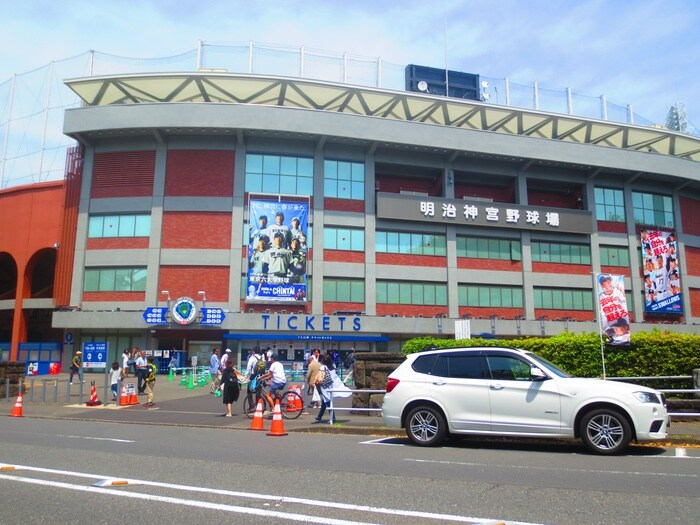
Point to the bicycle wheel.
(291, 405)
(249, 405)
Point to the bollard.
(696, 381)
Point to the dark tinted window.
(462, 366)
(509, 368)
(467, 367)
(424, 364)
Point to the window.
(344, 290)
(652, 209)
(115, 279)
(279, 174)
(609, 205)
(119, 226)
(461, 366)
(344, 239)
(399, 292)
(490, 296)
(483, 248)
(411, 243)
(561, 253)
(508, 368)
(563, 299)
(614, 256)
(344, 180)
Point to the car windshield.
(547, 365)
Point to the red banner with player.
(612, 303)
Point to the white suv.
(512, 392)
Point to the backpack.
(260, 367)
(327, 379)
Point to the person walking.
(229, 384)
(349, 366)
(324, 372)
(313, 366)
(76, 367)
(149, 381)
(116, 374)
(215, 370)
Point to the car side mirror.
(537, 375)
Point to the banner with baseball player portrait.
(612, 303)
(662, 282)
(277, 251)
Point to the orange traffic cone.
(17, 410)
(292, 402)
(258, 421)
(277, 427)
(124, 398)
(133, 397)
(93, 396)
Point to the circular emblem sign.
(184, 310)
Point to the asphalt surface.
(176, 404)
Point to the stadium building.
(214, 209)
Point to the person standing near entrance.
(215, 369)
(230, 386)
(76, 367)
(141, 369)
(149, 381)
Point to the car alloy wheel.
(425, 426)
(605, 431)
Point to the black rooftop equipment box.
(423, 79)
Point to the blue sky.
(644, 53)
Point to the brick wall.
(550, 267)
(417, 261)
(199, 173)
(690, 215)
(206, 230)
(188, 280)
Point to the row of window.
(387, 292)
(647, 208)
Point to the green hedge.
(655, 353)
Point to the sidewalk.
(179, 406)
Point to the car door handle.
(497, 386)
(439, 383)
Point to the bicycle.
(291, 403)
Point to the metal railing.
(695, 391)
(33, 146)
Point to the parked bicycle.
(291, 403)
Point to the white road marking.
(186, 502)
(96, 438)
(381, 441)
(269, 497)
(556, 469)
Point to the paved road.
(207, 475)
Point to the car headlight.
(647, 397)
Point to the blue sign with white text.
(213, 316)
(94, 355)
(155, 315)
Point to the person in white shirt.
(224, 358)
(252, 360)
(141, 370)
(278, 379)
(116, 374)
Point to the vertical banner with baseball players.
(662, 281)
(277, 251)
(614, 315)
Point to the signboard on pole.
(95, 355)
(612, 303)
